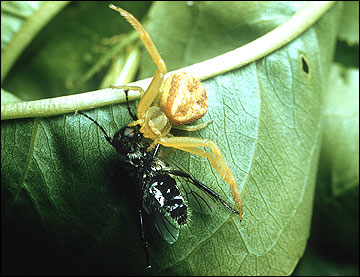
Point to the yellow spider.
(165, 104)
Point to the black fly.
(158, 193)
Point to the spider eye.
(184, 99)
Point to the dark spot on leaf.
(305, 66)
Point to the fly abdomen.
(166, 195)
(177, 209)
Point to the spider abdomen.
(184, 99)
(166, 195)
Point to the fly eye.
(129, 132)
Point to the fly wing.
(166, 226)
(198, 199)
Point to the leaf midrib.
(28, 158)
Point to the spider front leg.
(158, 80)
(151, 93)
(145, 37)
(191, 145)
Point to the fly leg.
(142, 236)
(128, 106)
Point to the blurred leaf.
(66, 48)
(349, 27)
(337, 196)
(7, 97)
(13, 15)
(38, 16)
(333, 248)
(320, 263)
(341, 137)
(347, 48)
(61, 172)
(347, 55)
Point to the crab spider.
(160, 109)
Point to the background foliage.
(65, 213)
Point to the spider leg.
(126, 90)
(148, 97)
(145, 37)
(151, 93)
(191, 128)
(191, 145)
(201, 186)
(126, 87)
(155, 87)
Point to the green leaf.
(60, 172)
